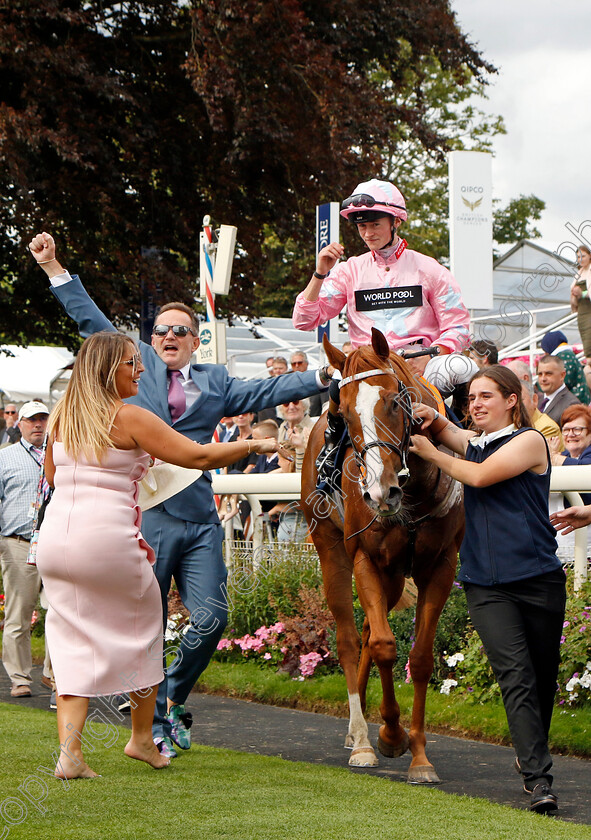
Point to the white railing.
(287, 486)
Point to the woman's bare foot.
(147, 752)
(77, 768)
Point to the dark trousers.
(191, 553)
(520, 625)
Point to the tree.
(122, 124)
(515, 221)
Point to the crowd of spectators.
(290, 423)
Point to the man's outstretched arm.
(68, 290)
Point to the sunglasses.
(364, 200)
(291, 402)
(9, 412)
(134, 362)
(179, 330)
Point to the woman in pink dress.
(104, 621)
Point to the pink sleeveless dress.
(104, 622)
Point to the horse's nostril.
(395, 494)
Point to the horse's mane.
(365, 358)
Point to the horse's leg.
(381, 647)
(337, 574)
(433, 593)
(364, 668)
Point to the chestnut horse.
(402, 516)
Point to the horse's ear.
(379, 344)
(335, 356)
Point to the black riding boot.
(325, 462)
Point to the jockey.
(409, 297)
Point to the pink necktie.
(177, 402)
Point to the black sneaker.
(543, 800)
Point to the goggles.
(364, 200)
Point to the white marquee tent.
(27, 372)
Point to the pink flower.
(267, 656)
(278, 627)
(263, 632)
(407, 669)
(308, 663)
(566, 624)
(223, 644)
(247, 643)
(283, 650)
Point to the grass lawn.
(209, 793)
(451, 714)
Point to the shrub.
(574, 675)
(256, 596)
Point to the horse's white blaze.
(367, 398)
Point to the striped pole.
(208, 252)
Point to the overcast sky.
(542, 50)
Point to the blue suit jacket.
(221, 396)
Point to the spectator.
(575, 450)
(228, 430)
(20, 469)
(576, 431)
(292, 526)
(243, 423)
(279, 366)
(185, 528)
(579, 297)
(555, 344)
(347, 348)
(557, 397)
(11, 432)
(529, 395)
(260, 431)
(269, 364)
(296, 427)
(484, 352)
(104, 621)
(299, 361)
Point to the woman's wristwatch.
(324, 375)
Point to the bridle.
(403, 401)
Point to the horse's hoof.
(363, 757)
(349, 742)
(423, 775)
(393, 750)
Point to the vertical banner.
(327, 231)
(470, 226)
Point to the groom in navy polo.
(184, 531)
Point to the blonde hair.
(83, 416)
(268, 428)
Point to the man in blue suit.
(184, 531)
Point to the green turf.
(209, 793)
(570, 732)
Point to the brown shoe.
(20, 691)
(47, 683)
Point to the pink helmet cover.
(386, 199)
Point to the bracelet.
(248, 442)
(436, 414)
(43, 262)
(320, 276)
